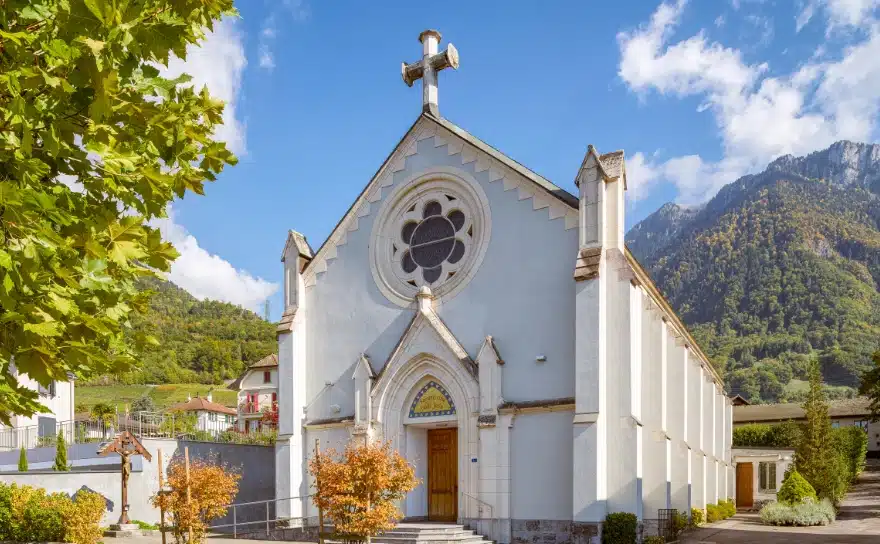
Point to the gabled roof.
(269, 361)
(266, 362)
(396, 162)
(200, 404)
(297, 242)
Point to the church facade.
(496, 330)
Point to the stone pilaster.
(657, 447)
(291, 483)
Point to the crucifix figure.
(126, 445)
(427, 68)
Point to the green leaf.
(49, 328)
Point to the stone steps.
(430, 533)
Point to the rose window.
(434, 238)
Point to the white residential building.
(257, 393)
(211, 416)
(30, 431)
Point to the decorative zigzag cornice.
(424, 129)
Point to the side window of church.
(767, 476)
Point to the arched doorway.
(427, 412)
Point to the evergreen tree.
(816, 457)
(61, 454)
(22, 461)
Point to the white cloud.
(267, 36)
(297, 10)
(842, 14)
(759, 116)
(850, 12)
(219, 63)
(208, 276)
(802, 18)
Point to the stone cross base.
(125, 530)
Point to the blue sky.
(696, 93)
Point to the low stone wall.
(256, 464)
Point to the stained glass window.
(432, 241)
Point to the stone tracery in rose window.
(434, 237)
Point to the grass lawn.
(163, 395)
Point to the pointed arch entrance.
(426, 408)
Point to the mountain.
(200, 341)
(778, 268)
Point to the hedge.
(765, 435)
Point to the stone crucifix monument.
(126, 445)
(427, 68)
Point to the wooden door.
(745, 478)
(443, 474)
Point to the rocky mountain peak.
(843, 163)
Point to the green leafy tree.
(22, 460)
(103, 412)
(143, 404)
(94, 143)
(870, 386)
(61, 454)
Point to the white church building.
(496, 330)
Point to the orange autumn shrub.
(359, 488)
(212, 489)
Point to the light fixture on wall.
(541, 359)
(335, 408)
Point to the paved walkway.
(857, 523)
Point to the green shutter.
(772, 477)
(762, 475)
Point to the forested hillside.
(778, 268)
(199, 341)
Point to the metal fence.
(263, 517)
(142, 424)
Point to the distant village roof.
(738, 400)
(756, 413)
(201, 404)
(269, 361)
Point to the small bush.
(804, 514)
(654, 540)
(29, 514)
(144, 526)
(795, 488)
(728, 508)
(713, 513)
(22, 460)
(697, 517)
(680, 522)
(620, 528)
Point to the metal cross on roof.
(427, 68)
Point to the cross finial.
(427, 68)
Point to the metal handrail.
(481, 520)
(480, 504)
(269, 519)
